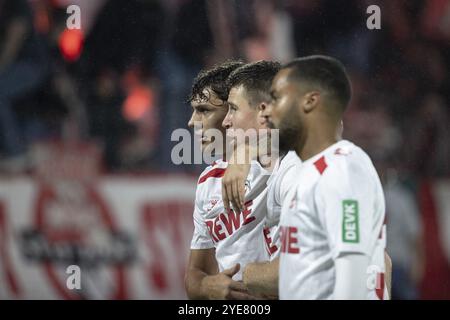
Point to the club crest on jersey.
(212, 204)
(247, 185)
(342, 151)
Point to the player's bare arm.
(202, 263)
(261, 278)
(388, 266)
(233, 182)
(204, 281)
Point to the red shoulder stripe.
(214, 173)
(321, 164)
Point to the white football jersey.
(336, 207)
(280, 182)
(237, 237)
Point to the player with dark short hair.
(327, 76)
(332, 224)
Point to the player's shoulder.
(213, 171)
(284, 164)
(344, 161)
(290, 160)
(287, 164)
(257, 178)
(347, 153)
(256, 169)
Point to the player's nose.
(266, 110)
(226, 123)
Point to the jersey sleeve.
(201, 238)
(345, 200)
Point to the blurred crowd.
(121, 83)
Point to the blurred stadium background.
(86, 118)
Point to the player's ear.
(310, 101)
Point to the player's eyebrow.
(200, 106)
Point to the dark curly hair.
(256, 77)
(215, 79)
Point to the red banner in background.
(129, 235)
(434, 204)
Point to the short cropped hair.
(326, 72)
(256, 78)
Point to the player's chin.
(263, 124)
(270, 125)
(273, 123)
